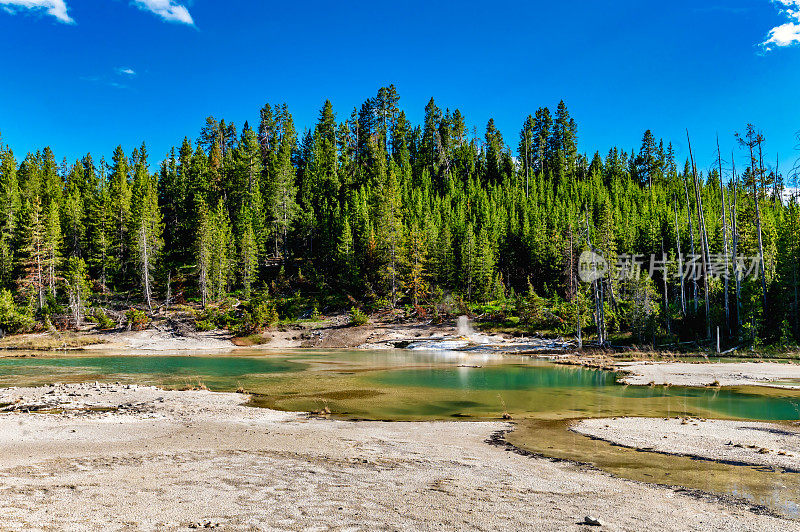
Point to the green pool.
(403, 384)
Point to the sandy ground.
(762, 444)
(335, 332)
(165, 340)
(722, 374)
(175, 460)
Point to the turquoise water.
(409, 385)
(170, 370)
(567, 388)
(500, 378)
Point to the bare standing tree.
(680, 262)
(735, 242)
(691, 239)
(724, 238)
(701, 222)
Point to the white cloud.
(126, 71)
(56, 8)
(785, 34)
(168, 10)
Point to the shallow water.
(778, 491)
(405, 385)
(162, 365)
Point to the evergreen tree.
(76, 284)
(120, 200)
(221, 256)
(52, 244)
(205, 249)
(99, 230)
(416, 262)
(390, 229)
(145, 225)
(248, 251)
(282, 190)
(74, 212)
(10, 207)
(469, 262)
(33, 260)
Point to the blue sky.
(86, 75)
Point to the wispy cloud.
(104, 80)
(167, 10)
(56, 8)
(118, 80)
(786, 34)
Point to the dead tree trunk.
(597, 289)
(666, 296)
(724, 239)
(735, 242)
(575, 288)
(691, 240)
(680, 262)
(703, 237)
(756, 199)
(145, 258)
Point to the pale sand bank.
(160, 340)
(722, 374)
(168, 460)
(762, 444)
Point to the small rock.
(592, 521)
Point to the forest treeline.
(372, 209)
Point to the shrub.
(382, 304)
(242, 326)
(223, 316)
(357, 317)
(11, 319)
(263, 315)
(137, 320)
(204, 325)
(102, 319)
